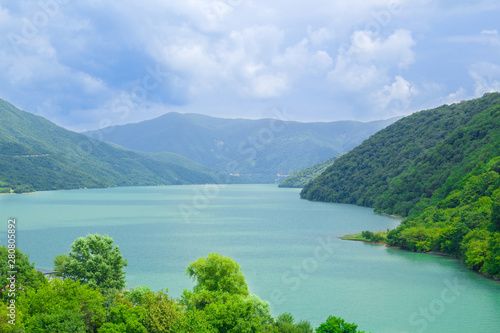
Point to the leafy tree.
(232, 313)
(26, 277)
(221, 292)
(162, 313)
(194, 321)
(491, 265)
(95, 261)
(262, 310)
(62, 306)
(218, 273)
(304, 326)
(124, 317)
(135, 295)
(337, 325)
(495, 213)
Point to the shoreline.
(391, 215)
(433, 253)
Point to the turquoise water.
(287, 247)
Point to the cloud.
(486, 77)
(238, 58)
(484, 37)
(398, 93)
(367, 62)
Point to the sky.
(91, 64)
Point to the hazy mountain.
(36, 154)
(256, 150)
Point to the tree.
(262, 310)
(124, 317)
(95, 261)
(26, 277)
(62, 306)
(495, 211)
(135, 295)
(162, 313)
(221, 293)
(194, 321)
(218, 273)
(337, 325)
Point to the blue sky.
(97, 63)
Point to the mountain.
(302, 177)
(36, 154)
(255, 150)
(441, 169)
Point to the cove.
(288, 249)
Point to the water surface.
(287, 247)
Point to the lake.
(288, 249)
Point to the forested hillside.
(255, 150)
(302, 177)
(439, 167)
(36, 154)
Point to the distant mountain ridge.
(255, 150)
(36, 154)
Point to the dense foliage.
(302, 177)
(465, 224)
(438, 167)
(93, 260)
(35, 154)
(219, 303)
(256, 150)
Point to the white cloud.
(223, 54)
(368, 60)
(395, 50)
(319, 37)
(486, 77)
(300, 59)
(268, 85)
(457, 96)
(484, 37)
(398, 93)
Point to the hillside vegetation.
(301, 178)
(36, 154)
(440, 168)
(254, 150)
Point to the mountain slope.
(302, 177)
(407, 161)
(257, 149)
(36, 154)
(441, 168)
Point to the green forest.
(440, 169)
(300, 178)
(89, 296)
(37, 155)
(257, 150)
